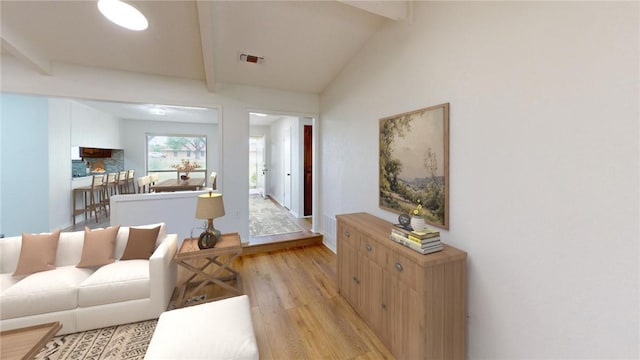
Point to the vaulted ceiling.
(303, 44)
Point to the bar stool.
(82, 191)
(110, 188)
(95, 200)
(144, 184)
(112, 184)
(131, 182)
(122, 182)
(154, 180)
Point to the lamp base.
(208, 239)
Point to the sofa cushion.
(43, 292)
(69, 248)
(119, 281)
(123, 237)
(7, 280)
(141, 243)
(37, 253)
(98, 247)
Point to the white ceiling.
(304, 44)
(134, 111)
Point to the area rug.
(265, 218)
(128, 341)
(122, 342)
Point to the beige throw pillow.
(141, 243)
(38, 253)
(98, 247)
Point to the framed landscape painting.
(414, 163)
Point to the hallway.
(284, 240)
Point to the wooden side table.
(189, 254)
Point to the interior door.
(308, 170)
(261, 159)
(286, 166)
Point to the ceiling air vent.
(251, 58)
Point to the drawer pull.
(347, 234)
(384, 306)
(399, 266)
(368, 247)
(355, 279)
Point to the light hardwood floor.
(296, 309)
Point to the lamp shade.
(210, 206)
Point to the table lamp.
(210, 206)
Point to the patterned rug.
(128, 341)
(122, 342)
(265, 218)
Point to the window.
(166, 151)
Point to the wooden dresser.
(415, 303)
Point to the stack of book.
(424, 241)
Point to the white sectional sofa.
(121, 292)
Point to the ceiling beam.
(15, 45)
(205, 17)
(394, 10)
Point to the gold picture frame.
(414, 163)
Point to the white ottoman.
(216, 330)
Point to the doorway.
(281, 167)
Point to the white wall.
(94, 128)
(133, 137)
(24, 145)
(59, 157)
(62, 119)
(234, 100)
(279, 130)
(176, 209)
(544, 162)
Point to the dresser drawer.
(348, 234)
(403, 268)
(373, 250)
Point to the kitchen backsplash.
(113, 164)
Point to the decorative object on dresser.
(210, 206)
(421, 135)
(425, 241)
(415, 303)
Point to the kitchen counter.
(81, 181)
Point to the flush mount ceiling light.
(260, 114)
(123, 14)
